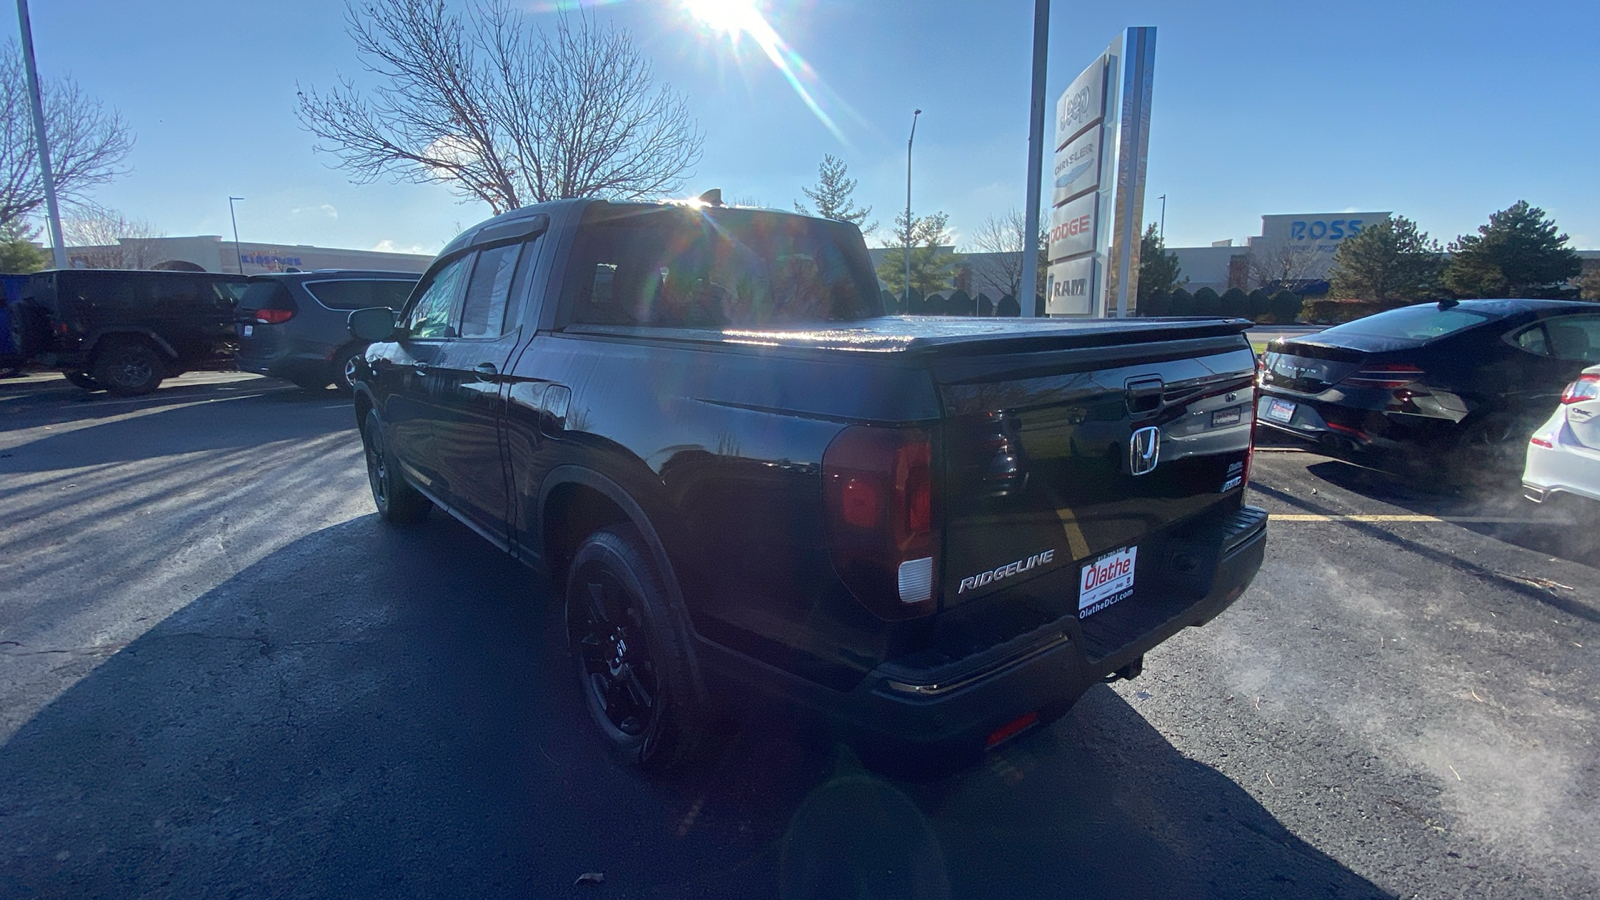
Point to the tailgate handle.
(1144, 395)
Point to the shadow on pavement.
(1550, 528)
(171, 424)
(372, 712)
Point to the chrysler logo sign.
(1144, 450)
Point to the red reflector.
(1013, 728)
(861, 504)
(274, 316)
(1540, 442)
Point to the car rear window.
(265, 295)
(704, 268)
(1422, 322)
(360, 294)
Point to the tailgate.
(1057, 459)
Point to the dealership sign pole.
(58, 251)
(1102, 136)
(1028, 302)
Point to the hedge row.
(1258, 306)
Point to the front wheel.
(632, 662)
(398, 502)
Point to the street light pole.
(1163, 199)
(58, 251)
(1030, 228)
(237, 255)
(913, 137)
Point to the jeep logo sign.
(1083, 103)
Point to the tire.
(84, 380)
(631, 659)
(398, 502)
(129, 368)
(344, 369)
(310, 384)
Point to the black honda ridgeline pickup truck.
(751, 486)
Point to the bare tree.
(88, 142)
(100, 238)
(500, 111)
(1283, 266)
(1000, 241)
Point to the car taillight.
(878, 489)
(1542, 442)
(1384, 377)
(274, 316)
(1587, 387)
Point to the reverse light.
(1587, 387)
(273, 316)
(878, 491)
(1387, 376)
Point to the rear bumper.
(291, 363)
(958, 706)
(1562, 469)
(1342, 430)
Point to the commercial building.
(1293, 251)
(210, 253)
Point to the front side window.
(483, 313)
(430, 316)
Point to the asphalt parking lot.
(220, 675)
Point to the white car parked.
(1564, 454)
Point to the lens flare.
(739, 18)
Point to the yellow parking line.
(1459, 520)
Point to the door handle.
(420, 367)
(486, 371)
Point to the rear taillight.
(273, 316)
(1541, 442)
(1587, 387)
(1386, 377)
(878, 488)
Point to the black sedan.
(1406, 387)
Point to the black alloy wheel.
(397, 501)
(632, 661)
(619, 677)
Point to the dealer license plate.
(1106, 580)
(1280, 410)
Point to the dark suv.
(292, 324)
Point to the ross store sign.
(1083, 104)
(1072, 227)
(1078, 165)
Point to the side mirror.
(375, 323)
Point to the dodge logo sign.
(1144, 450)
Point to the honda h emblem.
(1144, 450)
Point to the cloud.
(327, 209)
(388, 246)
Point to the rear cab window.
(688, 267)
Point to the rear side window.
(1422, 322)
(1574, 338)
(360, 293)
(431, 315)
(483, 313)
(265, 295)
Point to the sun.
(732, 17)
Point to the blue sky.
(1441, 111)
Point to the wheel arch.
(99, 338)
(574, 502)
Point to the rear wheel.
(84, 380)
(632, 660)
(397, 501)
(129, 368)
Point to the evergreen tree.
(19, 255)
(1285, 307)
(1180, 303)
(1258, 304)
(832, 196)
(1389, 260)
(1158, 269)
(1207, 303)
(930, 262)
(1518, 254)
(1235, 303)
